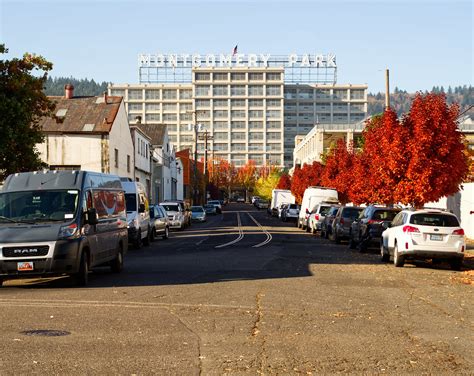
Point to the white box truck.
(311, 198)
(280, 196)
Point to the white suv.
(424, 234)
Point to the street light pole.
(205, 137)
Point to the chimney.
(69, 91)
(105, 97)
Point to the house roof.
(155, 131)
(82, 115)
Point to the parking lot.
(243, 293)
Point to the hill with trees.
(401, 100)
(82, 87)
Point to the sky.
(423, 43)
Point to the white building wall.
(120, 138)
(72, 150)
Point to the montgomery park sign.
(236, 60)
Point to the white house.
(164, 169)
(88, 133)
(143, 160)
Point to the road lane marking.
(241, 234)
(269, 236)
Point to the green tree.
(22, 104)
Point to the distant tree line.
(82, 87)
(401, 100)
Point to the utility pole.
(387, 89)
(206, 136)
(195, 127)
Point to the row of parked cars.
(399, 235)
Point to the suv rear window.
(293, 206)
(431, 219)
(386, 215)
(323, 210)
(352, 213)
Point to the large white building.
(252, 105)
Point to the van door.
(89, 231)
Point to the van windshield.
(131, 202)
(38, 206)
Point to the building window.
(273, 125)
(237, 90)
(135, 94)
(185, 94)
(128, 163)
(169, 94)
(340, 94)
(255, 91)
(135, 107)
(255, 102)
(219, 114)
(357, 94)
(239, 136)
(274, 76)
(152, 107)
(237, 147)
(117, 92)
(273, 102)
(238, 114)
(255, 124)
(273, 114)
(221, 136)
(255, 76)
(185, 107)
(170, 117)
(237, 103)
(203, 103)
(185, 117)
(273, 136)
(152, 118)
(203, 91)
(220, 147)
(238, 125)
(255, 113)
(220, 90)
(256, 136)
(116, 158)
(202, 77)
(255, 147)
(221, 77)
(273, 90)
(169, 106)
(220, 102)
(221, 125)
(152, 94)
(237, 76)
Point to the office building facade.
(252, 107)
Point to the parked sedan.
(367, 230)
(217, 204)
(262, 204)
(326, 225)
(424, 234)
(341, 224)
(210, 209)
(159, 222)
(198, 214)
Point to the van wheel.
(116, 265)
(167, 233)
(146, 239)
(82, 275)
(152, 234)
(138, 241)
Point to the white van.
(311, 198)
(279, 197)
(138, 213)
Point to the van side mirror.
(141, 208)
(91, 217)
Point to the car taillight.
(316, 216)
(341, 221)
(410, 229)
(459, 231)
(372, 221)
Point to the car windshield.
(385, 215)
(131, 202)
(197, 209)
(432, 219)
(170, 207)
(38, 206)
(293, 206)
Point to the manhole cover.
(46, 333)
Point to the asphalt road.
(242, 294)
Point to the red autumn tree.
(308, 175)
(436, 162)
(337, 171)
(383, 157)
(246, 176)
(284, 182)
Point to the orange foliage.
(284, 182)
(308, 175)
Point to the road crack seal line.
(269, 236)
(240, 237)
(256, 333)
(199, 340)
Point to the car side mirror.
(91, 217)
(141, 208)
(386, 225)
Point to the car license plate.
(436, 237)
(25, 266)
